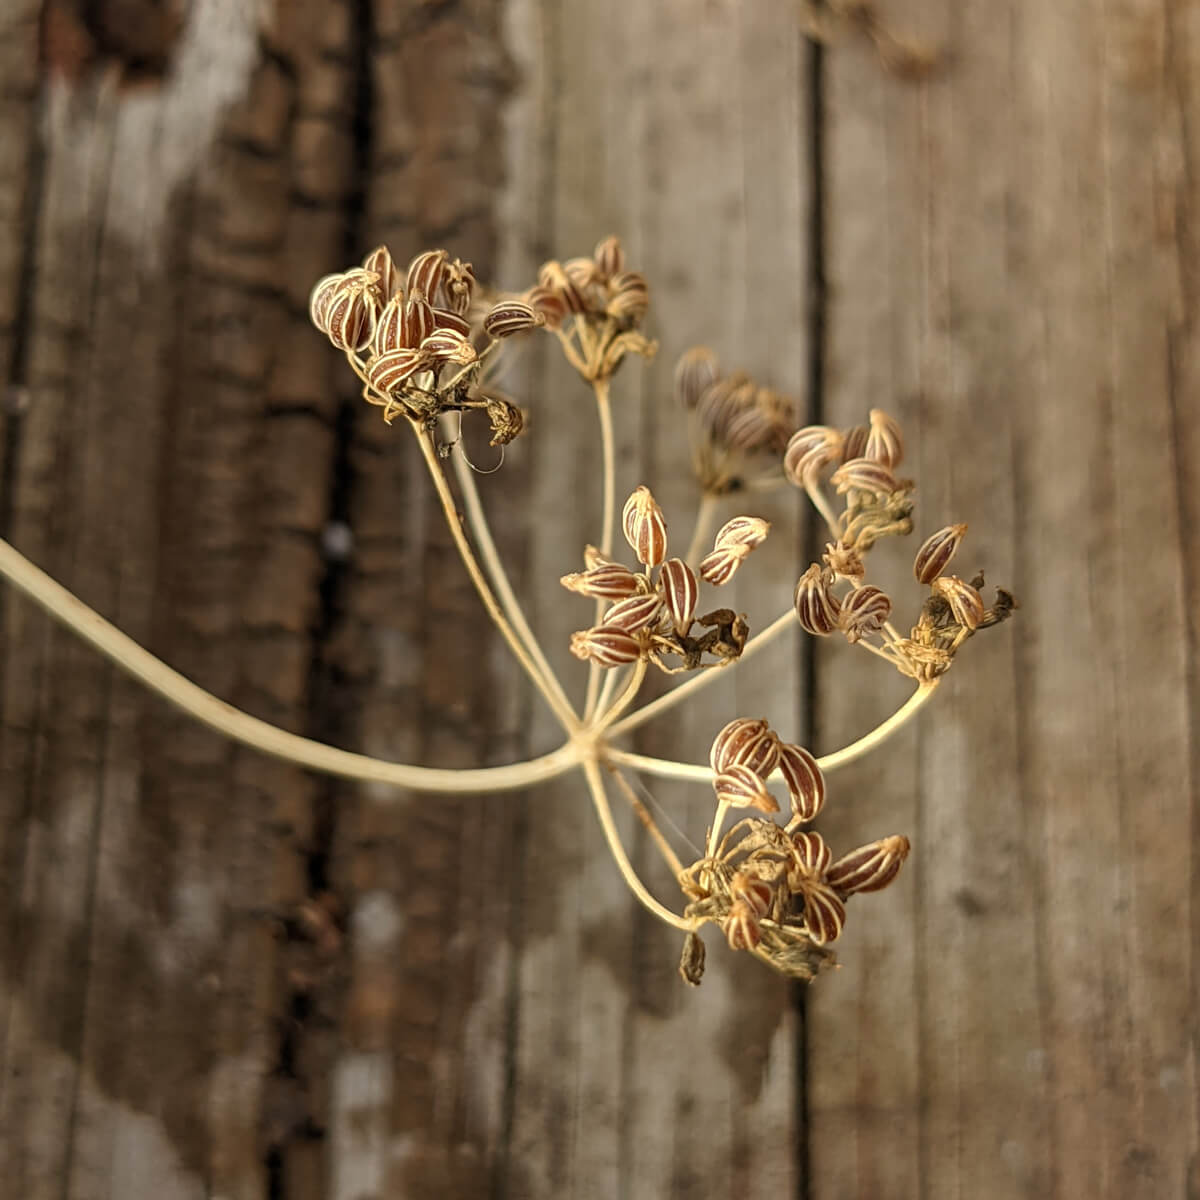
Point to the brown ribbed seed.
(548, 304)
(810, 857)
(628, 297)
(386, 373)
(349, 315)
(320, 299)
(746, 742)
(936, 552)
(824, 913)
(805, 783)
(606, 581)
(818, 608)
(884, 443)
(809, 451)
(864, 611)
(740, 927)
(645, 527)
(869, 868)
(754, 890)
(510, 317)
(380, 262)
(742, 531)
(854, 442)
(680, 591)
(448, 346)
(864, 475)
(966, 604)
(720, 566)
(417, 323)
(444, 318)
(634, 613)
(558, 283)
(609, 257)
(425, 274)
(605, 646)
(742, 787)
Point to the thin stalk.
(636, 886)
(714, 834)
(817, 496)
(695, 773)
(206, 708)
(477, 519)
(608, 505)
(702, 679)
(706, 510)
(648, 823)
(623, 701)
(604, 703)
(563, 712)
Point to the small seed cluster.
(776, 890)
(653, 610)
(832, 595)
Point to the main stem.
(608, 507)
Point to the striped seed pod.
(628, 297)
(818, 608)
(387, 373)
(634, 613)
(549, 304)
(884, 443)
(966, 604)
(810, 858)
(869, 868)
(742, 787)
(742, 531)
(444, 318)
(606, 647)
(558, 283)
(805, 783)
(380, 261)
(510, 317)
(936, 552)
(745, 742)
(609, 257)
(605, 581)
(740, 927)
(351, 310)
(321, 297)
(750, 430)
(645, 527)
(864, 611)
(854, 442)
(757, 892)
(861, 474)
(447, 345)
(425, 274)
(809, 451)
(695, 372)
(459, 285)
(583, 273)
(418, 321)
(680, 592)
(721, 565)
(824, 913)
(389, 329)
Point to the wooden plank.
(997, 279)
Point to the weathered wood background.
(222, 977)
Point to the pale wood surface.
(223, 977)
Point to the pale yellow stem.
(705, 512)
(649, 823)
(608, 505)
(601, 722)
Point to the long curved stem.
(696, 773)
(250, 731)
(608, 506)
(563, 712)
(493, 564)
(648, 822)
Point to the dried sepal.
(447, 345)
(844, 560)
(863, 475)
(458, 282)
(966, 604)
(425, 274)
(809, 451)
(388, 372)
(869, 868)
(747, 742)
(680, 592)
(691, 960)
(805, 783)
(695, 372)
(506, 420)
(864, 611)
(742, 531)
(645, 527)
(884, 443)
(592, 557)
(606, 646)
(936, 552)
(510, 317)
(379, 261)
(742, 787)
(634, 613)
(628, 297)
(605, 581)
(721, 565)
(740, 926)
(609, 257)
(817, 606)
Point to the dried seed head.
(645, 527)
(609, 257)
(741, 787)
(864, 611)
(583, 273)
(966, 604)
(818, 608)
(809, 451)
(459, 284)
(824, 913)
(680, 591)
(691, 961)
(869, 868)
(844, 560)
(854, 443)
(863, 475)
(628, 297)
(447, 345)
(605, 646)
(388, 372)
(320, 299)
(721, 565)
(425, 274)
(742, 531)
(511, 316)
(558, 283)
(695, 372)
(759, 893)
(380, 262)
(443, 318)
(936, 552)
(884, 443)
(740, 927)
(745, 742)
(605, 581)
(805, 783)
(549, 304)
(634, 613)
